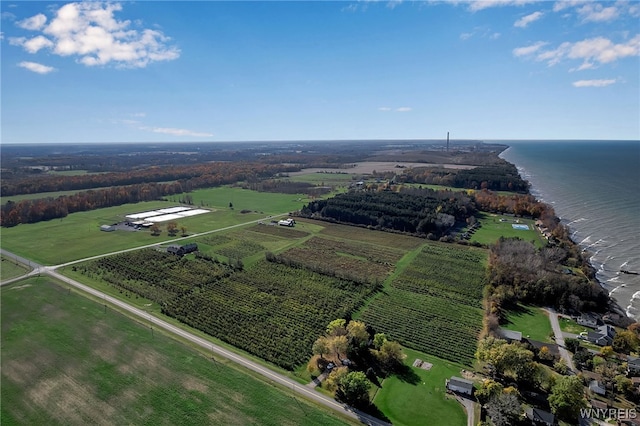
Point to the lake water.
(594, 187)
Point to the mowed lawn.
(78, 235)
(67, 360)
(531, 321)
(9, 268)
(495, 226)
(419, 397)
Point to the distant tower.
(447, 141)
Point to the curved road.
(281, 379)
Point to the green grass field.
(69, 361)
(531, 321)
(11, 269)
(78, 235)
(570, 326)
(496, 226)
(419, 398)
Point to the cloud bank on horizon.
(494, 69)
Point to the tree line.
(500, 176)
(188, 175)
(32, 211)
(414, 211)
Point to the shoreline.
(617, 313)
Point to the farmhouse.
(459, 385)
(286, 222)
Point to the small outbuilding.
(107, 228)
(509, 335)
(182, 250)
(459, 385)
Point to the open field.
(78, 235)
(11, 269)
(532, 321)
(495, 226)
(419, 396)
(245, 199)
(84, 364)
(434, 305)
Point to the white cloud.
(36, 43)
(36, 67)
(179, 132)
(593, 83)
(565, 4)
(384, 109)
(526, 20)
(596, 12)
(90, 32)
(476, 5)
(466, 36)
(529, 50)
(598, 50)
(495, 36)
(34, 23)
(404, 109)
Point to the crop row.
(431, 325)
(271, 310)
(372, 252)
(434, 305)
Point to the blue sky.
(247, 71)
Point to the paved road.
(564, 353)
(283, 380)
(468, 405)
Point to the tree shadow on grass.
(516, 310)
(407, 375)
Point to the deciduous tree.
(354, 388)
(567, 397)
(504, 409)
(337, 327)
(357, 333)
(321, 347)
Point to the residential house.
(602, 336)
(459, 385)
(540, 417)
(633, 366)
(588, 320)
(597, 387)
